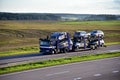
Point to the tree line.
(28, 16)
(55, 17)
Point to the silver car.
(81, 34)
(97, 33)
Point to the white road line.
(115, 71)
(57, 73)
(79, 78)
(113, 50)
(96, 75)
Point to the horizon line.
(58, 13)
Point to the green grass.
(19, 34)
(21, 50)
(89, 23)
(112, 43)
(59, 61)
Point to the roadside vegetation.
(21, 50)
(15, 35)
(59, 61)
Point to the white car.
(81, 34)
(95, 44)
(59, 35)
(101, 42)
(97, 33)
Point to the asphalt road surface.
(20, 59)
(103, 69)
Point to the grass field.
(15, 35)
(54, 62)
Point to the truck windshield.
(45, 43)
(77, 33)
(53, 37)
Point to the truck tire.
(96, 46)
(53, 52)
(73, 49)
(77, 48)
(102, 36)
(65, 50)
(102, 45)
(93, 47)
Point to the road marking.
(57, 73)
(79, 78)
(113, 50)
(96, 75)
(115, 71)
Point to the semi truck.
(57, 42)
(60, 42)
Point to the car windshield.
(94, 32)
(94, 41)
(79, 33)
(45, 43)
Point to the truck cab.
(58, 42)
(46, 46)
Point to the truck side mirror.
(47, 37)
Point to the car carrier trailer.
(87, 41)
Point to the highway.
(20, 59)
(102, 69)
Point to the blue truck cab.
(56, 43)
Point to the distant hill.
(56, 17)
(87, 17)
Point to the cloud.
(62, 6)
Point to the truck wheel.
(102, 36)
(65, 50)
(57, 51)
(76, 48)
(96, 46)
(102, 45)
(53, 51)
(93, 47)
(73, 49)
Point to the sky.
(61, 6)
